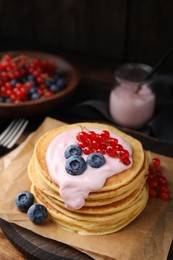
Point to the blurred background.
(115, 31)
(96, 36)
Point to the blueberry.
(8, 100)
(48, 83)
(35, 96)
(5, 99)
(54, 88)
(2, 99)
(72, 150)
(55, 77)
(37, 213)
(96, 160)
(75, 165)
(24, 200)
(30, 78)
(32, 90)
(60, 83)
(14, 82)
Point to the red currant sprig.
(158, 186)
(102, 143)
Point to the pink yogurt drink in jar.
(132, 104)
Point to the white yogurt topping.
(75, 189)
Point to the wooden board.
(34, 246)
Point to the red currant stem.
(44, 76)
(151, 163)
(83, 128)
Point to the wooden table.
(99, 78)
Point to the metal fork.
(11, 134)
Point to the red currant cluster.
(102, 143)
(24, 78)
(157, 182)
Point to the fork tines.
(12, 133)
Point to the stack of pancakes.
(116, 204)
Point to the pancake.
(97, 224)
(105, 210)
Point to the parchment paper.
(148, 237)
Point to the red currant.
(151, 176)
(28, 85)
(82, 136)
(100, 150)
(48, 93)
(156, 162)
(110, 150)
(102, 143)
(153, 183)
(105, 135)
(87, 150)
(81, 144)
(157, 182)
(162, 180)
(164, 195)
(113, 141)
(91, 135)
(163, 189)
(123, 154)
(95, 144)
(152, 192)
(118, 147)
(126, 161)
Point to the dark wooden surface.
(104, 34)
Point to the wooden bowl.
(40, 106)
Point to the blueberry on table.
(72, 150)
(37, 213)
(75, 165)
(24, 200)
(96, 160)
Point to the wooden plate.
(36, 107)
(34, 246)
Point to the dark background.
(108, 30)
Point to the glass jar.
(132, 102)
